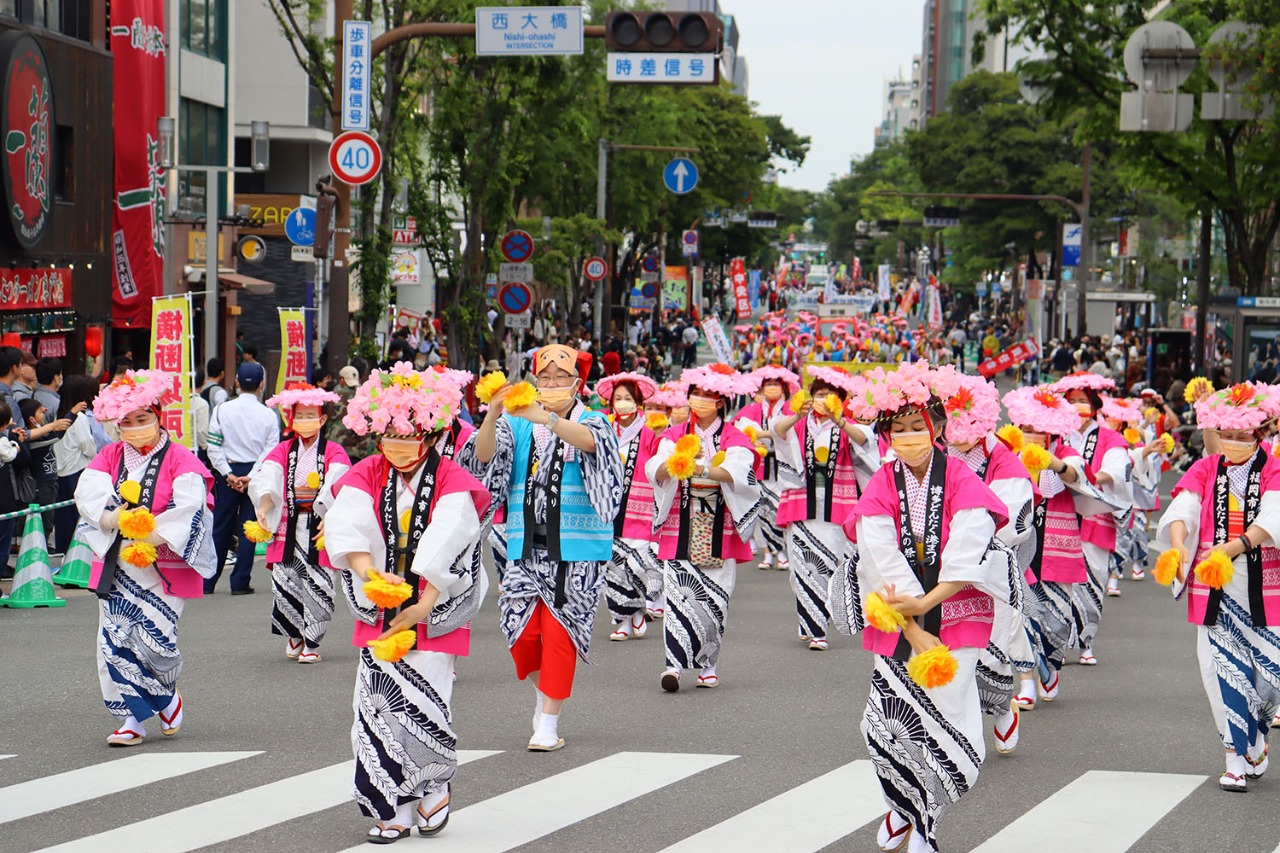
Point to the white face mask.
(624, 407)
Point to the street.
(1125, 759)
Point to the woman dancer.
(938, 545)
(708, 502)
(776, 385)
(296, 475)
(408, 515)
(143, 584)
(1227, 505)
(634, 575)
(556, 468)
(821, 457)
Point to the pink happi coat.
(969, 615)
(333, 452)
(637, 520)
(370, 476)
(732, 547)
(1063, 558)
(760, 413)
(1100, 530)
(794, 505)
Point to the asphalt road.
(1126, 759)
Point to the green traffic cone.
(33, 582)
(76, 565)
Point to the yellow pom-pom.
(1215, 571)
(657, 421)
(689, 445)
(832, 404)
(137, 523)
(131, 491)
(800, 398)
(394, 647)
(1132, 436)
(1167, 441)
(140, 554)
(313, 480)
(255, 532)
(1167, 566)
(1196, 387)
(386, 594)
(490, 385)
(522, 394)
(405, 518)
(320, 542)
(880, 615)
(751, 433)
(717, 460)
(762, 451)
(822, 454)
(1035, 458)
(680, 466)
(934, 668)
(1012, 436)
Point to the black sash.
(633, 451)
(686, 509)
(811, 481)
(986, 463)
(290, 501)
(1038, 520)
(1253, 557)
(553, 486)
(402, 563)
(927, 573)
(1091, 445)
(449, 442)
(770, 469)
(146, 498)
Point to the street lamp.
(260, 159)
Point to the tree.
(847, 202)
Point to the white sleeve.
(359, 532)
(1269, 515)
(333, 473)
(1017, 496)
(1117, 465)
(454, 528)
(866, 456)
(1186, 508)
(880, 562)
(743, 494)
(268, 479)
(95, 493)
(664, 494)
(190, 497)
(217, 456)
(967, 541)
(790, 460)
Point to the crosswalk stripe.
(3, 757)
(541, 808)
(98, 780)
(810, 817)
(1084, 814)
(237, 814)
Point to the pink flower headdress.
(718, 379)
(459, 378)
(833, 376)
(879, 394)
(1043, 410)
(403, 401)
(137, 389)
(1125, 411)
(302, 394)
(1082, 380)
(769, 372)
(972, 405)
(646, 385)
(669, 395)
(1246, 406)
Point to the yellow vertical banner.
(293, 348)
(171, 352)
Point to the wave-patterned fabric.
(1053, 623)
(138, 658)
(815, 549)
(697, 607)
(768, 533)
(1089, 595)
(1241, 676)
(995, 681)
(302, 594)
(630, 576)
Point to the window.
(201, 142)
(203, 23)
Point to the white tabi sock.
(133, 724)
(173, 705)
(548, 730)
(404, 815)
(1236, 764)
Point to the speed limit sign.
(595, 269)
(355, 158)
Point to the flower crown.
(403, 401)
(137, 389)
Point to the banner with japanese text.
(1011, 357)
(717, 340)
(935, 304)
(171, 352)
(137, 217)
(741, 298)
(675, 289)
(293, 347)
(884, 286)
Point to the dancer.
(776, 385)
(556, 468)
(1106, 459)
(821, 455)
(288, 488)
(666, 402)
(708, 502)
(925, 530)
(633, 576)
(408, 515)
(1224, 510)
(143, 584)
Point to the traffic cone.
(76, 565)
(33, 582)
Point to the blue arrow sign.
(680, 176)
(300, 227)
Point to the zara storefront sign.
(29, 120)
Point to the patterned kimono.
(698, 595)
(769, 534)
(819, 468)
(403, 738)
(1136, 547)
(1236, 639)
(926, 744)
(634, 574)
(139, 608)
(301, 577)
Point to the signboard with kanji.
(357, 38)
(171, 352)
(293, 348)
(1011, 357)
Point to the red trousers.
(544, 646)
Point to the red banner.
(35, 290)
(137, 229)
(1011, 357)
(741, 297)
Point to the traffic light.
(662, 32)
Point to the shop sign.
(35, 290)
(28, 144)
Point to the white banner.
(935, 307)
(717, 341)
(885, 292)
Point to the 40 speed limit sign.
(355, 158)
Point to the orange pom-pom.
(394, 647)
(880, 615)
(680, 466)
(139, 554)
(689, 445)
(1215, 571)
(490, 385)
(1167, 566)
(522, 394)
(385, 593)
(1011, 436)
(934, 668)
(657, 421)
(255, 532)
(137, 523)
(1132, 436)
(1035, 458)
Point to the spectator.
(48, 383)
(25, 389)
(120, 365)
(212, 389)
(15, 462)
(241, 431)
(357, 447)
(42, 437)
(1063, 361)
(10, 366)
(250, 353)
(200, 417)
(689, 337)
(74, 451)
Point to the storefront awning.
(246, 282)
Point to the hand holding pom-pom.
(137, 523)
(138, 554)
(521, 395)
(833, 405)
(1167, 440)
(1196, 389)
(131, 491)
(394, 647)
(656, 421)
(680, 466)
(1215, 571)
(386, 593)
(1012, 437)
(880, 615)
(1035, 458)
(255, 532)
(490, 385)
(797, 402)
(717, 460)
(751, 433)
(689, 445)
(1166, 570)
(934, 668)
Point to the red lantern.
(12, 339)
(93, 341)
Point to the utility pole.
(1086, 244)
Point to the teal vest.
(583, 536)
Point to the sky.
(822, 66)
